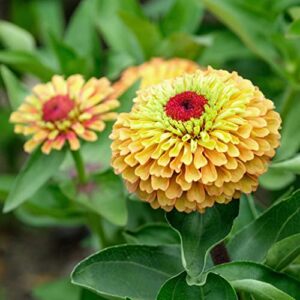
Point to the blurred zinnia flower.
(153, 72)
(195, 140)
(64, 110)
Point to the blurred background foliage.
(260, 39)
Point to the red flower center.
(57, 108)
(185, 106)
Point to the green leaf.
(83, 21)
(183, 16)
(260, 290)
(276, 223)
(200, 232)
(49, 18)
(294, 29)
(153, 234)
(132, 271)
(61, 289)
(247, 213)
(32, 176)
(49, 207)
(182, 45)
(27, 63)
(126, 99)
(116, 35)
(249, 270)
(155, 9)
(15, 89)
(290, 141)
(294, 12)
(103, 194)
(232, 49)
(87, 295)
(6, 182)
(15, 38)
(67, 58)
(253, 26)
(276, 179)
(292, 165)
(214, 288)
(284, 252)
(146, 33)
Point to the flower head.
(195, 140)
(64, 110)
(153, 72)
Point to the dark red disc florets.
(185, 106)
(57, 108)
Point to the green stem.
(95, 223)
(79, 166)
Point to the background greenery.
(260, 39)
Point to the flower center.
(57, 108)
(185, 106)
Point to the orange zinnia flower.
(195, 140)
(153, 72)
(63, 110)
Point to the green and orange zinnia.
(63, 111)
(195, 140)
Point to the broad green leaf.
(182, 45)
(102, 194)
(292, 165)
(6, 182)
(83, 21)
(15, 89)
(117, 62)
(49, 18)
(276, 223)
(284, 252)
(156, 9)
(276, 179)
(116, 35)
(153, 234)
(87, 295)
(27, 63)
(146, 33)
(294, 29)
(294, 12)
(214, 288)
(32, 176)
(49, 207)
(132, 271)
(249, 270)
(232, 49)
(260, 290)
(68, 60)
(290, 135)
(200, 232)
(247, 213)
(183, 16)
(126, 99)
(60, 289)
(293, 270)
(15, 38)
(253, 26)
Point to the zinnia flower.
(195, 140)
(153, 72)
(64, 110)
